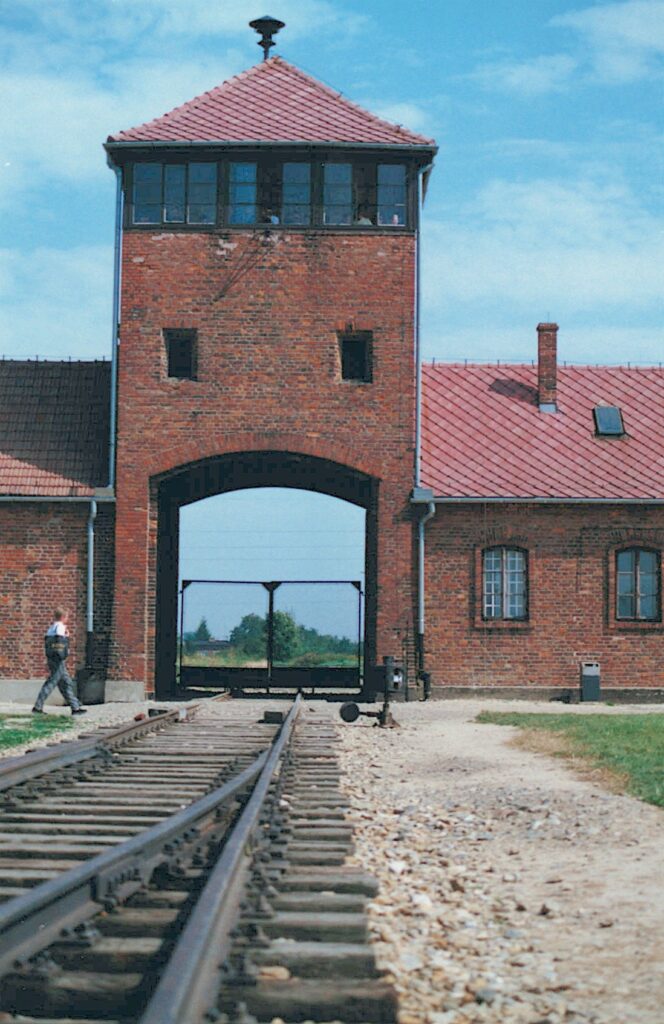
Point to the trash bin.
(590, 679)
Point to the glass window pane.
(625, 561)
(392, 216)
(392, 174)
(203, 174)
(147, 172)
(337, 174)
(300, 173)
(336, 195)
(243, 172)
(242, 193)
(297, 193)
(147, 213)
(337, 215)
(202, 213)
(608, 419)
(242, 214)
(648, 607)
(625, 583)
(648, 561)
(296, 214)
(174, 212)
(626, 607)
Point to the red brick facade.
(571, 597)
(268, 310)
(44, 560)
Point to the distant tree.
(250, 635)
(286, 636)
(202, 632)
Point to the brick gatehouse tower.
(266, 335)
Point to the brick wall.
(571, 554)
(268, 312)
(44, 564)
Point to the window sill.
(503, 625)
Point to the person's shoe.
(38, 711)
(79, 711)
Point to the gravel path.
(511, 891)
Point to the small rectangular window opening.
(356, 356)
(608, 421)
(181, 353)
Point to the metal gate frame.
(237, 678)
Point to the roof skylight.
(608, 421)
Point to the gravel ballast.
(511, 891)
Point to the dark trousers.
(58, 677)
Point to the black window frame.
(364, 190)
(188, 186)
(505, 550)
(348, 359)
(181, 336)
(635, 593)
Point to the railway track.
(237, 907)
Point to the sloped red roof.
(484, 436)
(54, 427)
(271, 102)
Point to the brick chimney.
(547, 366)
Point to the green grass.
(18, 729)
(631, 747)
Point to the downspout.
(419, 494)
(90, 592)
(117, 270)
(429, 514)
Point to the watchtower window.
(356, 356)
(175, 193)
(181, 353)
(337, 193)
(242, 193)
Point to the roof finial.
(267, 27)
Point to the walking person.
(56, 644)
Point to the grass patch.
(625, 751)
(18, 729)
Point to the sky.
(546, 201)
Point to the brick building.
(266, 297)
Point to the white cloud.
(530, 77)
(547, 248)
(56, 303)
(626, 40)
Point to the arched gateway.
(267, 309)
(240, 471)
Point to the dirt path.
(511, 890)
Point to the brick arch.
(219, 474)
(169, 461)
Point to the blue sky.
(546, 203)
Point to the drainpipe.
(90, 595)
(117, 269)
(418, 357)
(420, 495)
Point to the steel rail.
(31, 922)
(25, 767)
(190, 981)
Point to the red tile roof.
(54, 428)
(271, 102)
(484, 436)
